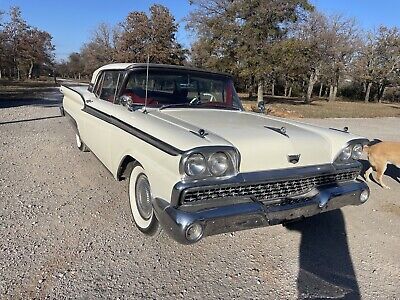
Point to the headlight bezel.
(352, 157)
(207, 152)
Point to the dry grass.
(14, 85)
(295, 108)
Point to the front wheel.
(140, 201)
(80, 144)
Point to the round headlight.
(195, 164)
(218, 163)
(357, 151)
(346, 153)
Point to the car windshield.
(180, 88)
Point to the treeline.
(289, 47)
(25, 51)
(276, 47)
(284, 48)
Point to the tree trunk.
(0, 74)
(286, 88)
(313, 79)
(310, 88)
(79, 76)
(260, 92)
(18, 74)
(326, 91)
(273, 88)
(335, 92)
(331, 93)
(320, 90)
(381, 91)
(290, 92)
(367, 92)
(30, 70)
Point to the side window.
(109, 83)
(97, 87)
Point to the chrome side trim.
(163, 146)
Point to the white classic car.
(198, 164)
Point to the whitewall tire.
(140, 201)
(80, 144)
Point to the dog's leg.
(368, 174)
(379, 174)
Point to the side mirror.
(261, 107)
(90, 88)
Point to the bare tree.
(343, 36)
(378, 61)
(100, 50)
(388, 48)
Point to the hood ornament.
(201, 133)
(281, 130)
(294, 158)
(345, 129)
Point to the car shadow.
(325, 267)
(30, 120)
(45, 97)
(9, 103)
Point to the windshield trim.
(236, 105)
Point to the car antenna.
(147, 83)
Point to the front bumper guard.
(254, 214)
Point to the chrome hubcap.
(143, 197)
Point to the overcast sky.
(71, 22)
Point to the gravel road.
(66, 231)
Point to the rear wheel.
(80, 144)
(140, 201)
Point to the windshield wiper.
(214, 105)
(199, 105)
(177, 105)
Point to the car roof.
(131, 66)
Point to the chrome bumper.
(252, 214)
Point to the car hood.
(263, 142)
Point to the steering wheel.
(195, 101)
(212, 97)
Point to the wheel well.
(123, 169)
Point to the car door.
(100, 108)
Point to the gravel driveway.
(66, 231)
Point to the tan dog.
(379, 155)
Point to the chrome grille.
(266, 191)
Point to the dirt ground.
(321, 109)
(66, 230)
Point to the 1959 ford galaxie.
(197, 164)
